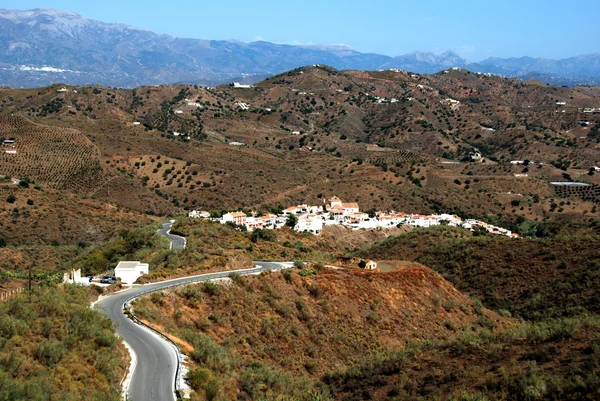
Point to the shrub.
(211, 288)
(449, 324)
(315, 290)
(11, 198)
(191, 293)
(307, 272)
(287, 274)
(449, 305)
(212, 390)
(198, 378)
(265, 235)
(237, 278)
(50, 352)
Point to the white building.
(350, 208)
(238, 218)
(335, 202)
(129, 271)
(199, 214)
(418, 220)
(238, 85)
(74, 277)
(243, 105)
(312, 224)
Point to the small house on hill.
(335, 202)
(238, 218)
(129, 272)
(367, 265)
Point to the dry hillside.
(303, 325)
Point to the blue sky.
(473, 29)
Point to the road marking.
(181, 281)
(127, 379)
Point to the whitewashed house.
(74, 277)
(335, 202)
(312, 224)
(199, 214)
(238, 218)
(241, 86)
(350, 208)
(129, 271)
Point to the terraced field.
(58, 157)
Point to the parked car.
(108, 280)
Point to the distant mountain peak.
(43, 46)
(55, 19)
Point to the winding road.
(155, 370)
(177, 242)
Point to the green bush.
(211, 288)
(308, 272)
(237, 278)
(198, 378)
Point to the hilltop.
(474, 145)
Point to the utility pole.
(30, 274)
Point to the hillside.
(39, 357)
(534, 279)
(385, 139)
(546, 361)
(39, 215)
(301, 326)
(57, 157)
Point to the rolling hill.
(385, 139)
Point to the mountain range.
(44, 46)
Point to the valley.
(91, 173)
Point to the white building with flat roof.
(130, 271)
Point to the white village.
(312, 219)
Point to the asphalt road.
(154, 374)
(177, 242)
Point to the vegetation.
(70, 160)
(87, 177)
(53, 344)
(302, 324)
(518, 364)
(531, 278)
